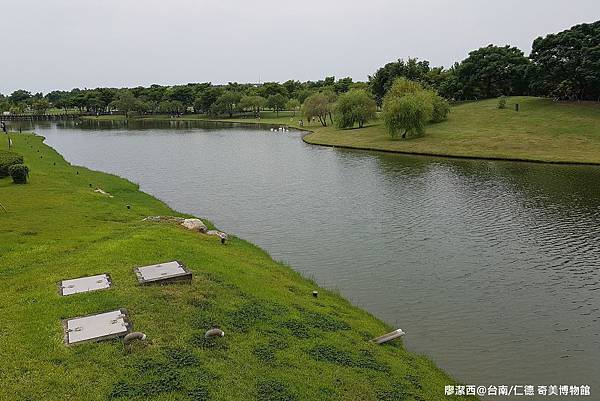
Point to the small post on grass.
(516, 106)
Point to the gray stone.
(167, 219)
(194, 225)
(219, 234)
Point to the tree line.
(564, 66)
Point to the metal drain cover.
(163, 273)
(84, 284)
(96, 327)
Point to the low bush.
(407, 115)
(19, 173)
(355, 106)
(8, 159)
(441, 108)
(502, 102)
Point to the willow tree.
(408, 107)
(317, 106)
(354, 107)
(407, 115)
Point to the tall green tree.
(354, 107)
(182, 93)
(206, 98)
(276, 102)
(272, 88)
(342, 85)
(407, 115)
(492, 71)
(253, 103)
(384, 78)
(40, 106)
(293, 105)
(317, 106)
(566, 65)
(227, 103)
(19, 96)
(125, 102)
(171, 107)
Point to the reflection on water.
(490, 267)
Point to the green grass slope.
(542, 130)
(280, 342)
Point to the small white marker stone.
(85, 284)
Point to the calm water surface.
(492, 268)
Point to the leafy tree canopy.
(567, 64)
(317, 106)
(354, 107)
(492, 71)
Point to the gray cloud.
(61, 44)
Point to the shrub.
(407, 115)
(408, 107)
(403, 86)
(441, 108)
(317, 106)
(502, 102)
(19, 173)
(356, 106)
(7, 159)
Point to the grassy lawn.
(280, 342)
(541, 131)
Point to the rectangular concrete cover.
(85, 284)
(95, 327)
(163, 272)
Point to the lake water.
(491, 268)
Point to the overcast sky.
(62, 44)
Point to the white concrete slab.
(85, 284)
(96, 327)
(163, 272)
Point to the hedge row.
(7, 159)
(19, 173)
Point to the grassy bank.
(542, 130)
(280, 342)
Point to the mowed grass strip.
(280, 342)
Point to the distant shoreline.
(546, 140)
